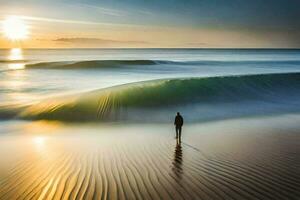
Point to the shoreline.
(234, 159)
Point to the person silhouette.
(178, 126)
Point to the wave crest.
(153, 98)
(100, 64)
(93, 64)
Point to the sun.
(15, 28)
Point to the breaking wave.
(198, 98)
(100, 64)
(94, 64)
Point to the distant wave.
(200, 98)
(100, 64)
(94, 64)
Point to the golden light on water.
(16, 55)
(15, 28)
(16, 66)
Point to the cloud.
(96, 42)
(104, 10)
(82, 22)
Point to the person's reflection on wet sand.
(177, 161)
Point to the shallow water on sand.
(254, 158)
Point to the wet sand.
(255, 158)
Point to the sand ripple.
(265, 167)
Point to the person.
(178, 125)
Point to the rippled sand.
(237, 159)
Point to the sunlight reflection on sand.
(129, 161)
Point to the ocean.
(206, 84)
(98, 124)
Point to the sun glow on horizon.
(15, 28)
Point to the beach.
(99, 124)
(230, 159)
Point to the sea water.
(31, 75)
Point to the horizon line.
(196, 48)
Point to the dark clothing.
(178, 132)
(178, 121)
(178, 124)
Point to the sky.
(155, 23)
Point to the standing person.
(178, 124)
